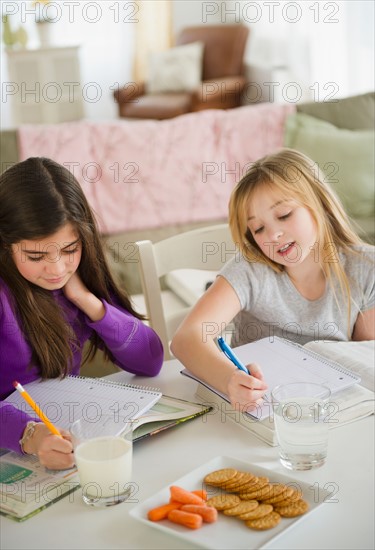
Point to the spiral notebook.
(283, 362)
(73, 397)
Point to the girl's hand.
(246, 391)
(54, 452)
(75, 290)
(86, 301)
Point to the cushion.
(8, 148)
(176, 70)
(345, 156)
(353, 113)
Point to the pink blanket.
(145, 174)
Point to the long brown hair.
(37, 198)
(297, 176)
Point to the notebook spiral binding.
(319, 357)
(101, 382)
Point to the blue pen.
(225, 348)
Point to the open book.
(27, 487)
(167, 413)
(358, 357)
(282, 362)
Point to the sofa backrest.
(353, 113)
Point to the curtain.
(153, 32)
(327, 48)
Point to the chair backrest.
(207, 248)
(224, 47)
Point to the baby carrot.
(198, 493)
(193, 521)
(201, 493)
(185, 497)
(161, 512)
(208, 513)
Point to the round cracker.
(235, 485)
(252, 487)
(259, 494)
(266, 522)
(258, 512)
(292, 510)
(242, 507)
(220, 477)
(279, 498)
(223, 501)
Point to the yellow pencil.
(37, 409)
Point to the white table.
(160, 460)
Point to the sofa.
(152, 179)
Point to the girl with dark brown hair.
(56, 293)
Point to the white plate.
(227, 532)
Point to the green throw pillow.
(345, 156)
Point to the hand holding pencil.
(52, 446)
(36, 408)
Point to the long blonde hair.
(296, 176)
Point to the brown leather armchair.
(223, 79)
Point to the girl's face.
(284, 230)
(50, 262)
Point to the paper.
(64, 401)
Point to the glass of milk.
(301, 415)
(103, 452)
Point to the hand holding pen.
(227, 350)
(244, 391)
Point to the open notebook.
(283, 361)
(73, 397)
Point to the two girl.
(303, 274)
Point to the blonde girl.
(302, 274)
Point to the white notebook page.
(64, 401)
(283, 362)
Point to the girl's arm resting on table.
(53, 452)
(193, 344)
(364, 328)
(136, 347)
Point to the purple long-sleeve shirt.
(135, 347)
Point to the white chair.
(207, 248)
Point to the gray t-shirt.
(272, 306)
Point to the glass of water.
(301, 419)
